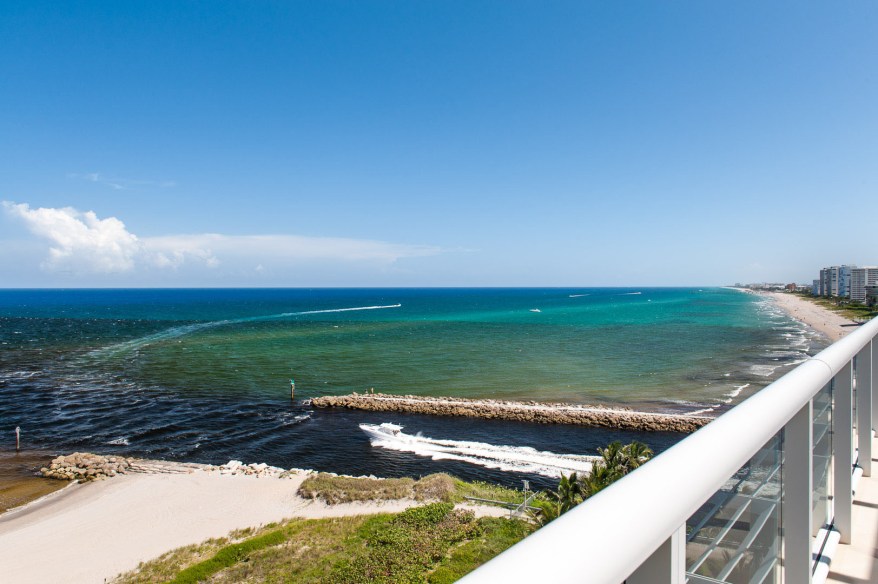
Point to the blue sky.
(435, 143)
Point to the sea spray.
(523, 459)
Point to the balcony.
(764, 494)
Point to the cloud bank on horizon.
(86, 248)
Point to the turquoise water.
(205, 373)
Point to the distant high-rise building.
(860, 279)
(815, 288)
(836, 281)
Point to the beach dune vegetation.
(429, 543)
(335, 489)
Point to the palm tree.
(636, 454)
(569, 493)
(600, 477)
(616, 461)
(614, 457)
(549, 511)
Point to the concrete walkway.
(857, 563)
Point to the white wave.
(179, 331)
(631, 294)
(708, 410)
(578, 295)
(763, 370)
(735, 393)
(123, 441)
(506, 458)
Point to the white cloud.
(81, 243)
(78, 240)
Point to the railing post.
(864, 408)
(666, 565)
(843, 452)
(874, 360)
(798, 490)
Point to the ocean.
(203, 375)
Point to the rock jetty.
(84, 466)
(522, 411)
(258, 470)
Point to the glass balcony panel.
(735, 536)
(822, 460)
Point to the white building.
(860, 278)
(836, 281)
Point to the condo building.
(836, 281)
(860, 279)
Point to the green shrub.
(495, 534)
(424, 516)
(228, 556)
(404, 548)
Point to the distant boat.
(535, 310)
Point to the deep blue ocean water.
(203, 375)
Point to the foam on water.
(506, 458)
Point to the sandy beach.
(87, 533)
(832, 325)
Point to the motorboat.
(382, 431)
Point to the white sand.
(91, 532)
(831, 324)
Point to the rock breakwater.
(529, 411)
(84, 466)
(258, 470)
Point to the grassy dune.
(431, 543)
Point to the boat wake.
(522, 459)
(179, 331)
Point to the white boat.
(535, 310)
(381, 431)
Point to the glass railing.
(735, 536)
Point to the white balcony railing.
(748, 498)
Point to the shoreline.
(831, 325)
(19, 481)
